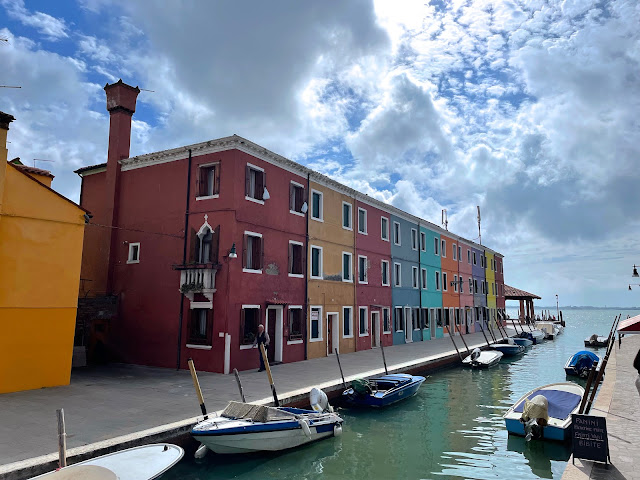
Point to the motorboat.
(508, 347)
(536, 336)
(524, 341)
(549, 329)
(545, 412)
(482, 358)
(580, 363)
(596, 341)
(138, 463)
(244, 427)
(382, 391)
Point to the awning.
(630, 325)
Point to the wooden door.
(271, 330)
(329, 335)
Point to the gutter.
(184, 260)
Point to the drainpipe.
(184, 261)
(306, 267)
(356, 323)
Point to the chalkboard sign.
(590, 441)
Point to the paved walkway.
(619, 401)
(106, 402)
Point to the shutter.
(193, 247)
(202, 182)
(247, 180)
(241, 336)
(216, 179)
(292, 197)
(259, 185)
(291, 258)
(299, 262)
(244, 251)
(209, 327)
(260, 250)
(215, 245)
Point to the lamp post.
(227, 338)
(557, 308)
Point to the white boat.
(244, 427)
(548, 328)
(596, 341)
(545, 412)
(138, 463)
(482, 358)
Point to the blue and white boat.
(508, 347)
(580, 363)
(482, 358)
(382, 391)
(545, 412)
(524, 341)
(244, 427)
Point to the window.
(424, 318)
(396, 233)
(436, 244)
(398, 324)
(134, 253)
(445, 284)
(362, 269)
(415, 318)
(475, 285)
(296, 198)
(316, 262)
(493, 291)
(347, 267)
(423, 275)
(205, 250)
(362, 221)
(482, 261)
(385, 273)
(414, 277)
(384, 228)
(459, 253)
(455, 252)
(208, 180)
(470, 285)
(469, 257)
(254, 183)
(437, 280)
(362, 321)
(482, 286)
(397, 271)
(347, 216)
(474, 258)
(316, 205)
(296, 262)
(200, 326)
(295, 323)
(423, 241)
(316, 324)
(386, 320)
(455, 283)
(347, 322)
(249, 321)
(253, 252)
(461, 284)
(444, 248)
(439, 317)
(501, 267)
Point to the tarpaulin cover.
(630, 325)
(561, 403)
(583, 359)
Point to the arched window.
(204, 247)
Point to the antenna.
(40, 160)
(8, 86)
(445, 221)
(479, 233)
(145, 90)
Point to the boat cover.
(537, 407)
(256, 413)
(583, 359)
(561, 403)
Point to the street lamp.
(635, 272)
(557, 308)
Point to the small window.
(455, 252)
(397, 274)
(347, 322)
(415, 318)
(362, 221)
(347, 216)
(470, 285)
(316, 324)
(316, 262)
(459, 253)
(200, 326)
(296, 198)
(437, 280)
(482, 286)
(347, 267)
(445, 285)
(255, 184)
(423, 241)
(436, 244)
(295, 323)
(439, 317)
(386, 320)
(249, 323)
(296, 261)
(362, 321)
(253, 252)
(414, 239)
(482, 261)
(444, 248)
(134, 253)
(469, 257)
(423, 275)
(475, 285)
(398, 321)
(474, 258)
(208, 180)
(385, 273)
(396, 233)
(384, 228)
(424, 318)
(414, 277)
(493, 292)
(455, 283)
(362, 270)
(316, 205)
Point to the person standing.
(261, 338)
(636, 365)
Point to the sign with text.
(589, 439)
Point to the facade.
(40, 253)
(465, 277)
(479, 293)
(201, 244)
(491, 286)
(450, 284)
(500, 300)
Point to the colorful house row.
(203, 243)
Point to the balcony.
(198, 278)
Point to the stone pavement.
(619, 401)
(118, 400)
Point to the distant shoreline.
(553, 307)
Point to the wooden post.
(268, 367)
(592, 374)
(235, 372)
(196, 384)
(603, 365)
(62, 439)
(340, 367)
(514, 326)
(455, 346)
(384, 360)
(462, 338)
(485, 336)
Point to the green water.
(453, 427)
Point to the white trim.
(335, 336)
(227, 353)
(445, 287)
(388, 309)
(320, 332)
(423, 244)
(399, 242)
(436, 244)
(366, 321)
(253, 234)
(438, 278)
(247, 347)
(415, 278)
(376, 327)
(397, 279)
(350, 280)
(207, 305)
(366, 230)
(248, 270)
(321, 277)
(414, 234)
(198, 347)
(296, 213)
(443, 247)
(321, 217)
(297, 184)
(455, 283)
(295, 242)
(350, 227)
(208, 197)
(381, 230)
(251, 306)
(366, 270)
(278, 329)
(455, 252)
(382, 263)
(129, 256)
(293, 307)
(350, 308)
(255, 167)
(396, 307)
(296, 275)
(255, 200)
(294, 342)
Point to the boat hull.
(378, 400)
(487, 359)
(525, 342)
(508, 350)
(516, 427)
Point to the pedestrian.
(636, 365)
(261, 338)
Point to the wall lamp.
(232, 252)
(635, 272)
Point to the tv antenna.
(445, 221)
(40, 160)
(479, 233)
(8, 86)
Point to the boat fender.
(201, 451)
(337, 430)
(305, 427)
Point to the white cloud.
(52, 28)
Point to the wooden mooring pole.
(62, 439)
(454, 345)
(384, 360)
(344, 384)
(196, 384)
(235, 372)
(603, 365)
(462, 338)
(592, 374)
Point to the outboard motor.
(535, 417)
(319, 401)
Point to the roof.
(5, 120)
(512, 293)
(80, 171)
(25, 168)
(630, 325)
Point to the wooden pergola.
(525, 298)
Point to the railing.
(197, 279)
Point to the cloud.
(52, 28)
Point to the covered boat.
(545, 412)
(580, 363)
(509, 347)
(596, 341)
(482, 358)
(549, 329)
(382, 391)
(244, 427)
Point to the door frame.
(408, 325)
(335, 332)
(432, 322)
(375, 325)
(278, 341)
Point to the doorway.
(333, 331)
(375, 329)
(274, 327)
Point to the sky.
(527, 108)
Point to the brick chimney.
(121, 104)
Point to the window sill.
(198, 347)
(347, 336)
(294, 342)
(363, 334)
(207, 197)
(129, 262)
(254, 200)
(296, 275)
(300, 214)
(315, 340)
(362, 233)
(386, 332)
(386, 284)
(247, 347)
(317, 219)
(397, 244)
(384, 239)
(248, 270)
(363, 283)
(347, 281)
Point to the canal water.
(453, 427)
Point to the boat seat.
(255, 413)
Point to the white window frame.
(252, 307)
(350, 267)
(436, 246)
(475, 260)
(300, 214)
(350, 322)
(130, 258)
(423, 278)
(461, 280)
(388, 310)
(414, 239)
(415, 281)
(443, 248)
(395, 309)
(320, 338)
(455, 283)
(397, 274)
(382, 266)
(455, 251)
(258, 169)
(294, 307)
(469, 256)
(365, 231)
(366, 321)
(321, 217)
(206, 165)
(320, 277)
(438, 283)
(399, 242)
(350, 227)
(296, 275)
(366, 273)
(445, 287)
(423, 242)
(253, 234)
(382, 229)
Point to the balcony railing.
(199, 278)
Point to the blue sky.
(527, 108)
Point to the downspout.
(356, 276)
(306, 267)
(184, 260)
(420, 282)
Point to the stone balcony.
(198, 278)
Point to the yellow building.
(331, 287)
(490, 275)
(41, 236)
